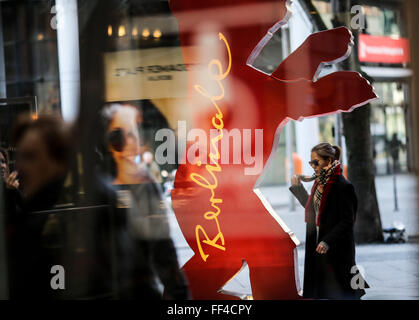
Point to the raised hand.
(11, 181)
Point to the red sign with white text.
(383, 49)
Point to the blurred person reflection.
(124, 140)
(42, 163)
(144, 208)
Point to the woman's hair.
(54, 132)
(327, 151)
(110, 110)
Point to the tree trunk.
(357, 132)
(356, 129)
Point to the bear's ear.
(263, 58)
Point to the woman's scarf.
(320, 191)
(325, 174)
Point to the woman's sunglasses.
(314, 163)
(117, 138)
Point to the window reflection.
(106, 214)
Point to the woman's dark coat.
(329, 276)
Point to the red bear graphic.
(217, 207)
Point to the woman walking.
(330, 270)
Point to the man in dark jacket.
(42, 164)
(29, 259)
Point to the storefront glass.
(30, 53)
(150, 145)
(383, 21)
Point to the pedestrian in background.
(394, 147)
(330, 213)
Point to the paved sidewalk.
(391, 270)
